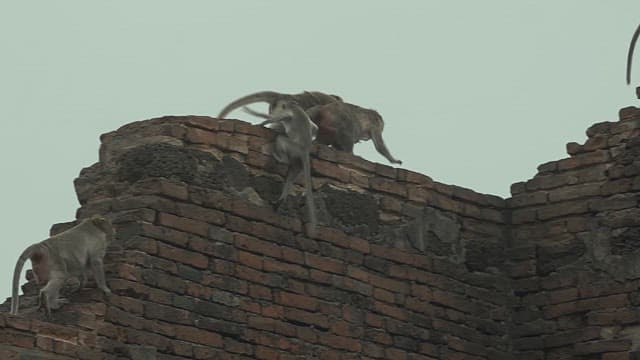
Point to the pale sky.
(473, 93)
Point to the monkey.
(293, 148)
(305, 100)
(632, 46)
(341, 125)
(61, 256)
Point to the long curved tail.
(306, 163)
(266, 96)
(630, 54)
(15, 299)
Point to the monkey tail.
(15, 299)
(309, 195)
(630, 54)
(263, 96)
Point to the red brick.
(359, 245)
(200, 136)
(260, 292)
(616, 356)
(466, 346)
(325, 263)
(204, 122)
(388, 186)
(274, 311)
(389, 310)
(233, 142)
(200, 213)
(184, 224)
(357, 273)
(417, 305)
(266, 353)
(194, 259)
(419, 194)
(389, 284)
(281, 267)
(396, 255)
(305, 317)
(374, 320)
(257, 246)
(339, 342)
(292, 255)
(320, 276)
(16, 338)
(307, 334)
(333, 236)
(574, 192)
(602, 346)
(172, 189)
(297, 301)
(455, 301)
(414, 177)
(20, 323)
(198, 336)
(330, 170)
(384, 295)
(563, 295)
(571, 337)
(378, 336)
(249, 259)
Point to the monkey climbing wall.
(401, 267)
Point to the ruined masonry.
(402, 267)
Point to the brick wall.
(401, 267)
(574, 255)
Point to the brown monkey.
(293, 147)
(61, 256)
(305, 100)
(341, 125)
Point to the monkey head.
(103, 224)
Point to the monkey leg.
(98, 272)
(295, 168)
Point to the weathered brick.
(325, 264)
(184, 224)
(613, 317)
(574, 192)
(389, 310)
(339, 342)
(257, 246)
(330, 170)
(198, 336)
(296, 300)
(194, 259)
(388, 186)
(602, 346)
(278, 266)
(311, 318)
(617, 356)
